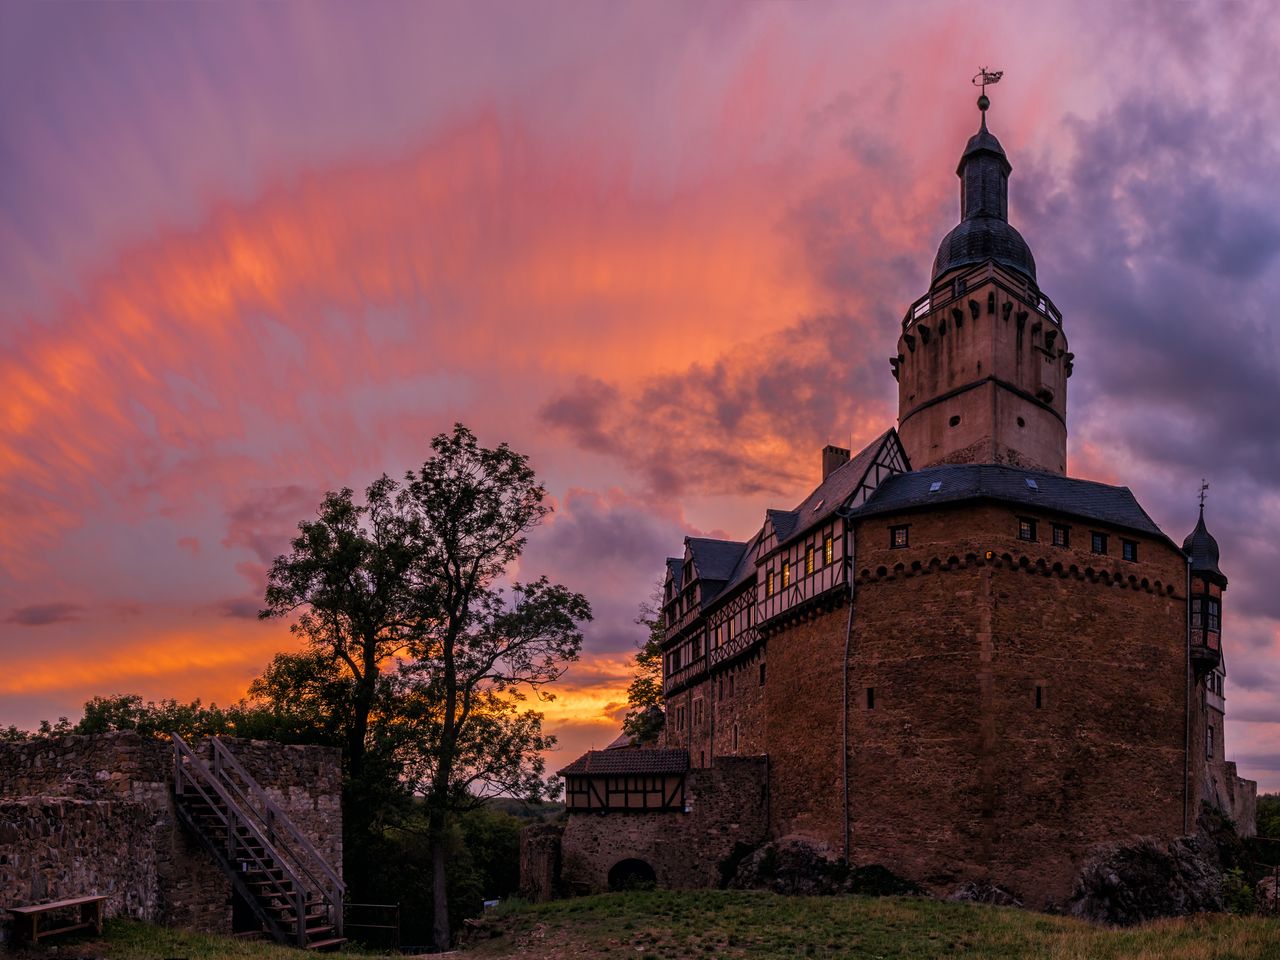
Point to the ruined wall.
(57, 848)
(130, 779)
(306, 782)
(727, 805)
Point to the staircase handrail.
(183, 771)
(275, 818)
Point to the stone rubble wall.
(58, 848)
(165, 875)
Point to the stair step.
(326, 944)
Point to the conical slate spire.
(1202, 548)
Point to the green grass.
(131, 940)
(664, 925)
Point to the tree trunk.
(439, 892)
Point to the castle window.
(1026, 529)
(808, 561)
(1098, 542)
(828, 550)
(762, 674)
(768, 584)
(1215, 615)
(871, 698)
(731, 684)
(786, 573)
(1061, 535)
(1039, 697)
(721, 692)
(1129, 550)
(1208, 742)
(897, 537)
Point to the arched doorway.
(632, 875)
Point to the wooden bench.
(89, 910)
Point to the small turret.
(1207, 585)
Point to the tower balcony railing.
(960, 287)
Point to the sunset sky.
(249, 253)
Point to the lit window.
(828, 550)
(1098, 542)
(1061, 535)
(1026, 529)
(1129, 550)
(897, 537)
(768, 584)
(786, 574)
(808, 561)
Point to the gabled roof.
(675, 567)
(715, 559)
(840, 485)
(1081, 498)
(616, 762)
(784, 522)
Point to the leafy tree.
(1269, 815)
(644, 719)
(352, 573)
(415, 648)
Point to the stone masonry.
(86, 815)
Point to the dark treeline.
(419, 659)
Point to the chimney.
(832, 458)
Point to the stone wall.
(57, 848)
(727, 805)
(128, 778)
(959, 773)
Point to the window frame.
(809, 565)
(828, 550)
(1129, 550)
(1027, 526)
(1098, 538)
(899, 528)
(786, 573)
(1063, 530)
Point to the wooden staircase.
(291, 888)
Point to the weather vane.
(1204, 488)
(981, 79)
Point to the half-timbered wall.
(625, 792)
(800, 571)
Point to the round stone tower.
(982, 362)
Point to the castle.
(952, 658)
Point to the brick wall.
(727, 805)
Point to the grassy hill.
(663, 925)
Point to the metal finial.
(981, 79)
(1204, 488)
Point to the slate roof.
(675, 567)
(715, 559)
(1202, 548)
(970, 481)
(635, 760)
(840, 485)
